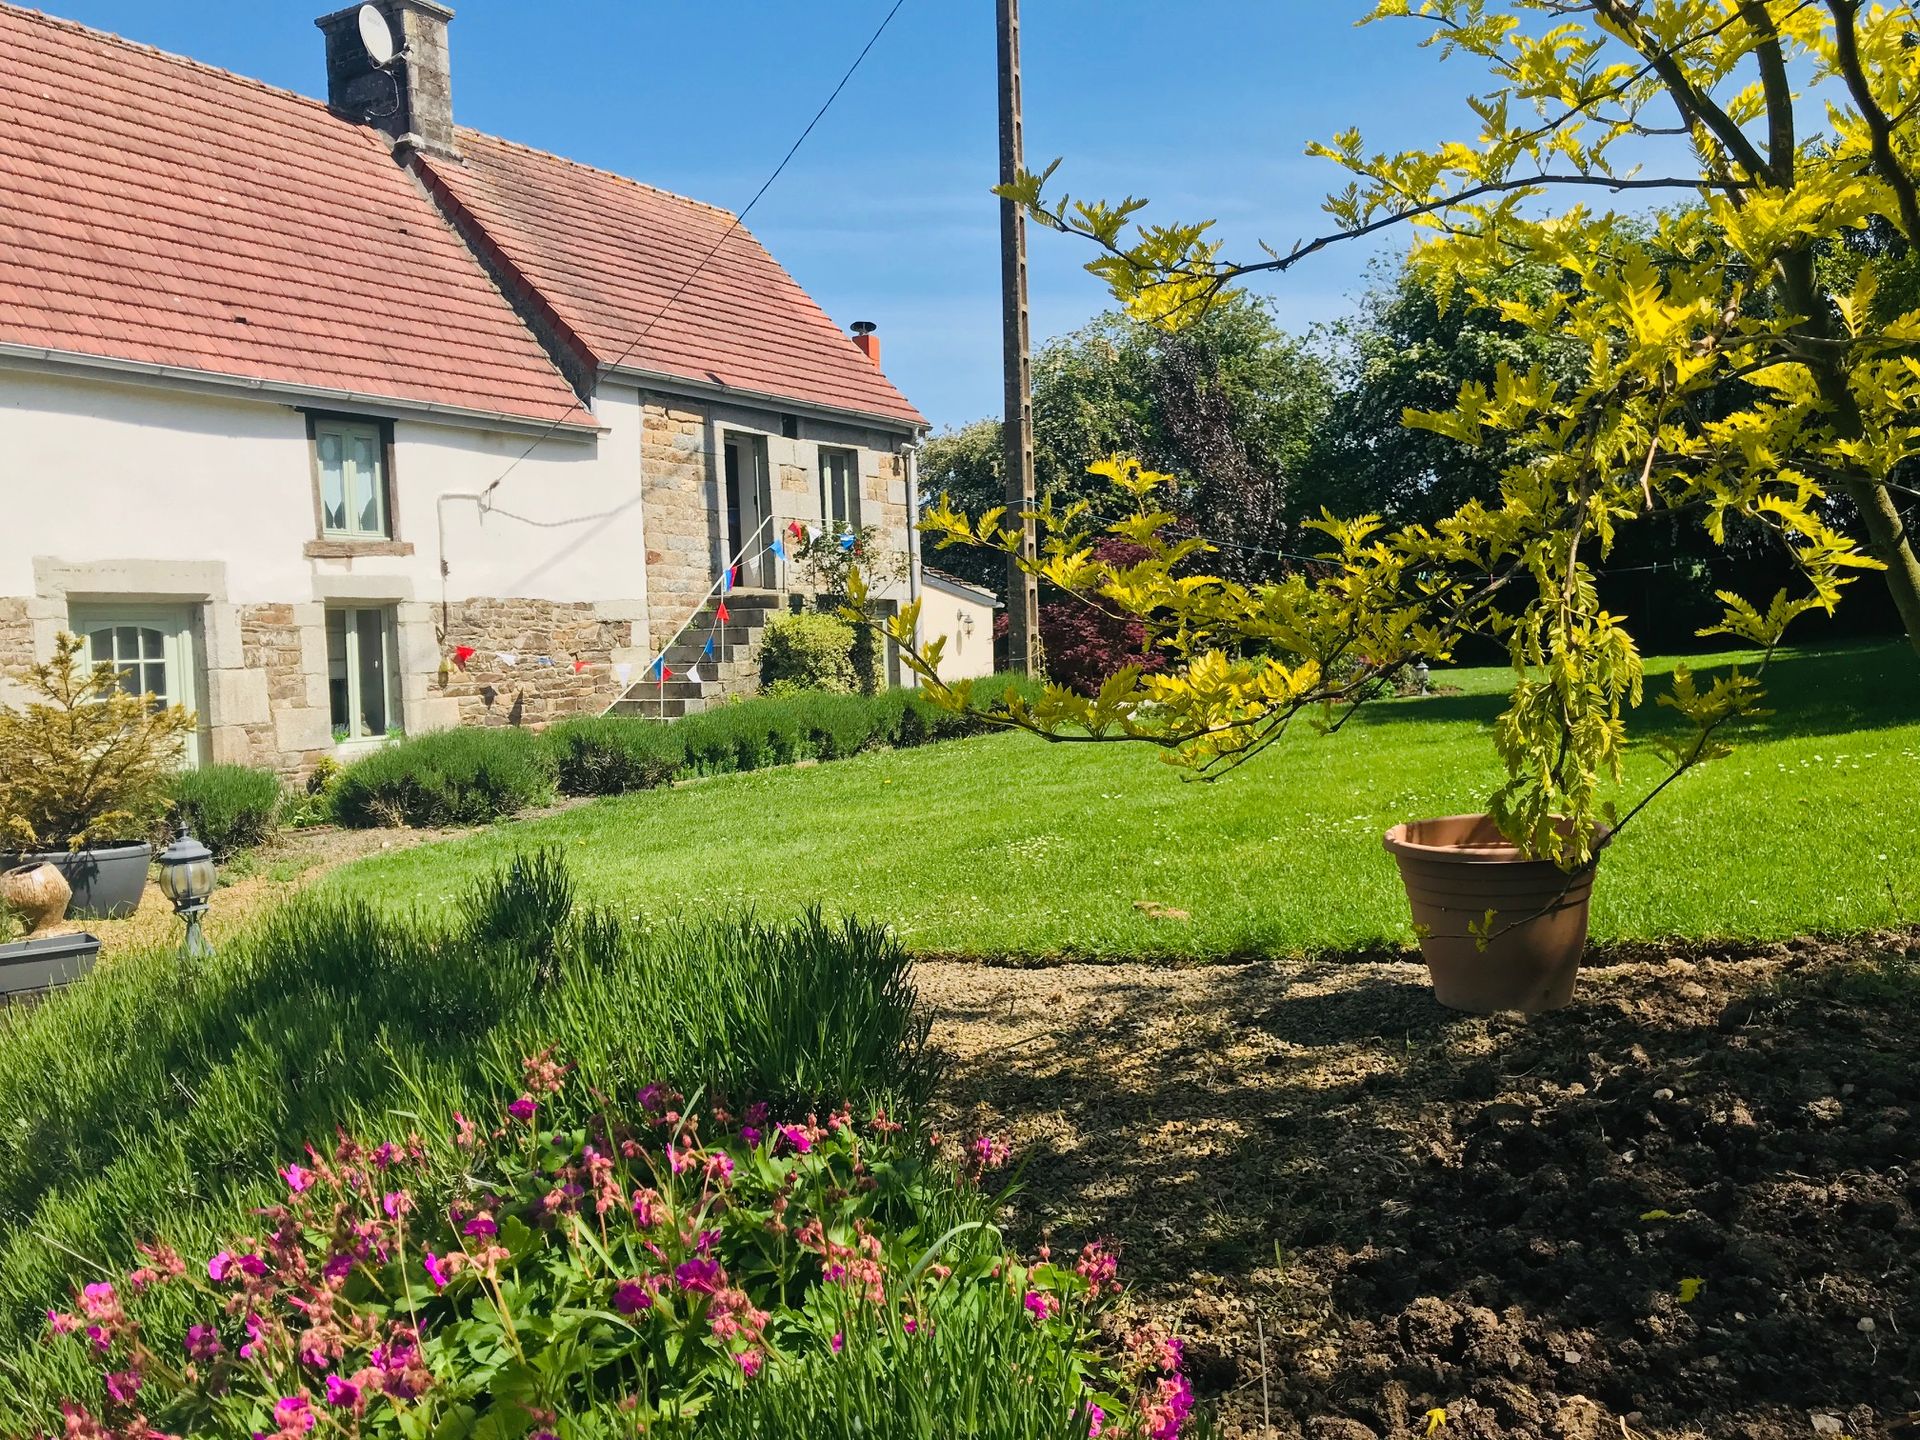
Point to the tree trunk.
(1891, 544)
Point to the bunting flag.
(508, 658)
(660, 670)
(779, 547)
(726, 581)
(796, 529)
(546, 659)
(812, 532)
(462, 654)
(849, 540)
(578, 664)
(623, 673)
(708, 651)
(693, 674)
(721, 616)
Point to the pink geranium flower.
(523, 1108)
(436, 1269)
(698, 1277)
(294, 1414)
(298, 1178)
(630, 1297)
(342, 1393)
(123, 1386)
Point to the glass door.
(151, 646)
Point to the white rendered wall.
(969, 653)
(94, 471)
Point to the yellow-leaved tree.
(1771, 283)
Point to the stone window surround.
(235, 694)
(340, 547)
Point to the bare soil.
(1412, 1209)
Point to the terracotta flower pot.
(1458, 868)
(38, 893)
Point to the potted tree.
(1745, 360)
(83, 775)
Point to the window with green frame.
(350, 459)
(363, 672)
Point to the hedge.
(229, 808)
(455, 777)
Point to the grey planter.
(27, 966)
(107, 880)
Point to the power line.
(692, 275)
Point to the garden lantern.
(1422, 672)
(186, 878)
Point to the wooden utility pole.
(1016, 430)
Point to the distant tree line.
(1265, 429)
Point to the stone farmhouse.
(337, 419)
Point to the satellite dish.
(376, 36)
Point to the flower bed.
(602, 1269)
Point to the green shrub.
(808, 651)
(464, 776)
(836, 726)
(133, 1105)
(228, 807)
(614, 754)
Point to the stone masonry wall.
(677, 504)
(488, 692)
(272, 643)
(16, 641)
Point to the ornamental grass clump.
(593, 1265)
(229, 807)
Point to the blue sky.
(885, 215)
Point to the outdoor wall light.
(186, 878)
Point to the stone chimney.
(867, 340)
(412, 98)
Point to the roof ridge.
(60, 22)
(719, 210)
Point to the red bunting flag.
(462, 654)
(721, 614)
(578, 665)
(796, 529)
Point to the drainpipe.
(479, 503)
(912, 453)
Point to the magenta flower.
(1040, 1306)
(838, 1343)
(1096, 1421)
(910, 1325)
(342, 1393)
(298, 1178)
(649, 1098)
(98, 1300)
(698, 1277)
(796, 1138)
(481, 1225)
(630, 1297)
(220, 1266)
(294, 1413)
(61, 1323)
(750, 1134)
(749, 1362)
(384, 1154)
(523, 1108)
(644, 1215)
(122, 1386)
(202, 1342)
(396, 1203)
(436, 1270)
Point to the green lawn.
(1010, 846)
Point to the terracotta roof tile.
(608, 254)
(162, 211)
